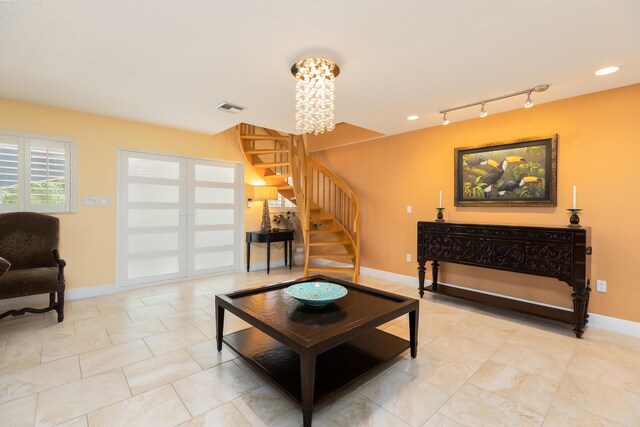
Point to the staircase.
(328, 209)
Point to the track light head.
(529, 102)
(483, 112)
(445, 121)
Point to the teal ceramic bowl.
(316, 294)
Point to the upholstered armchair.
(29, 260)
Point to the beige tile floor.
(147, 357)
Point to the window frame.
(24, 172)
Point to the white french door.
(177, 217)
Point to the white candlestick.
(574, 197)
(440, 199)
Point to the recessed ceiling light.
(606, 70)
(412, 117)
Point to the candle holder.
(574, 220)
(440, 216)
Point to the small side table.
(285, 236)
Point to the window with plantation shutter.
(9, 172)
(36, 173)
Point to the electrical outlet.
(408, 257)
(408, 209)
(601, 286)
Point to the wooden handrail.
(343, 186)
(315, 187)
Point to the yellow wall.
(598, 147)
(88, 237)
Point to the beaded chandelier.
(315, 94)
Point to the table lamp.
(265, 193)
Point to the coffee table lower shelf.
(335, 368)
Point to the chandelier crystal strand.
(315, 95)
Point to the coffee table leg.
(219, 326)
(413, 332)
(308, 378)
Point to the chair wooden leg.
(52, 299)
(60, 308)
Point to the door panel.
(151, 218)
(214, 216)
(177, 217)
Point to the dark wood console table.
(559, 252)
(285, 236)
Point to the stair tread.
(337, 230)
(331, 269)
(270, 165)
(332, 256)
(267, 151)
(334, 242)
(264, 137)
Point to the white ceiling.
(170, 62)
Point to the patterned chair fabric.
(30, 260)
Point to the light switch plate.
(96, 201)
(601, 286)
(408, 209)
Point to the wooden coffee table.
(311, 353)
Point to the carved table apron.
(559, 252)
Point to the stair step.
(316, 208)
(332, 243)
(322, 219)
(332, 269)
(270, 165)
(337, 230)
(332, 256)
(285, 187)
(278, 175)
(267, 151)
(264, 138)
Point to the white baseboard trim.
(100, 290)
(614, 324)
(90, 291)
(387, 275)
(598, 321)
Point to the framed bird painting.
(515, 173)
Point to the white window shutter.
(9, 173)
(48, 176)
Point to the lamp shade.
(265, 192)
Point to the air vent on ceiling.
(229, 107)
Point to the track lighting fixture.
(528, 103)
(483, 112)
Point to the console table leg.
(586, 308)
(434, 271)
(290, 254)
(248, 255)
(219, 326)
(413, 332)
(580, 298)
(268, 256)
(421, 270)
(308, 378)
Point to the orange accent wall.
(598, 147)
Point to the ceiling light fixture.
(606, 70)
(315, 94)
(412, 117)
(528, 103)
(483, 112)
